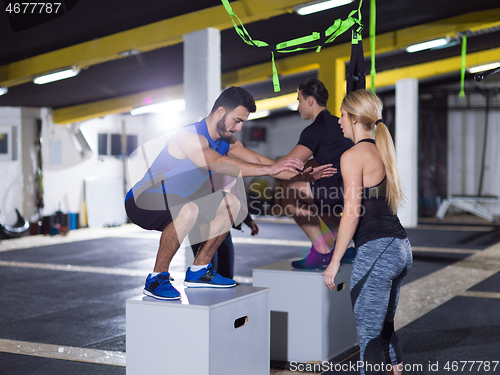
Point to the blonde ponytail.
(366, 108)
(387, 152)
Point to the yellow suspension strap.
(298, 44)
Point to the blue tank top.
(181, 177)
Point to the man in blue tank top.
(185, 191)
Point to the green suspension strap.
(462, 75)
(373, 21)
(294, 45)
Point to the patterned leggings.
(377, 275)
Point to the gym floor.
(62, 300)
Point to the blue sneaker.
(159, 287)
(207, 278)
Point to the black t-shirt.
(325, 139)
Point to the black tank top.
(376, 219)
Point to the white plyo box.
(197, 334)
(308, 321)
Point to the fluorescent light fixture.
(318, 6)
(56, 75)
(177, 105)
(428, 45)
(3, 90)
(482, 68)
(259, 114)
(130, 52)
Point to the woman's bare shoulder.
(354, 153)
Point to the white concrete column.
(202, 86)
(407, 148)
(202, 72)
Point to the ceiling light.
(177, 105)
(293, 106)
(3, 90)
(259, 114)
(318, 6)
(56, 75)
(130, 52)
(428, 45)
(482, 68)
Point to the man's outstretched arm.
(250, 163)
(237, 150)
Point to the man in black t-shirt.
(321, 200)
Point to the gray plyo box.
(197, 334)
(308, 321)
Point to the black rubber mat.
(15, 364)
(427, 263)
(65, 308)
(248, 257)
(462, 329)
(459, 337)
(102, 252)
(88, 309)
(273, 230)
(453, 238)
(491, 284)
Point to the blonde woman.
(372, 194)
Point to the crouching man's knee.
(189, 212)
(233, 204)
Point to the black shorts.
(328, 194)
(154, 211)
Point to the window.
(131, 144)
(102, 144)
(116, 144)
(7, 143)
(111, 144)
(4, 143)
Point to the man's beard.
(222, 130)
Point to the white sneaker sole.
(190, 284)
(149, 294)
